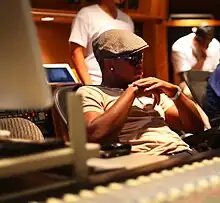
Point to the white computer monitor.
(60, 73)
(23, 84)
(23, 81)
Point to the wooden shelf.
(60, 16)
(66, 16)
(192, 22)
(136, 16)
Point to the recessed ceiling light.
(47, 19)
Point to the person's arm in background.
(199, 64)
(78, 61)
(200, 53)
(79, 39)
(181, 63)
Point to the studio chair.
(61, 101)
(21, 128)
(197, 80)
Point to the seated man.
(212, 98)
(127, 108)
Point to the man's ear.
(109, 63)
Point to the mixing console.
(41, 117)
(198, 182)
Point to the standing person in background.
(197, 51)
(89, 23)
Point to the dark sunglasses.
(134, 59)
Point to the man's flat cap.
(115, 43)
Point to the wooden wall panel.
(154, 8)
(156, 59)
(161, 55)
(155, 33)
(149, 57)
(53, 39)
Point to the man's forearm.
(113, 119)
(81, 69)
(189, 115)
(199, 64)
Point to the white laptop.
(60, 73)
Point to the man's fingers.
(152, 87)
(145, 81)
(155, 93)
(156, 99)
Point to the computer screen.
(23, 82)
(59, 73)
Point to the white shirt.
(183, 58)
(88, 24)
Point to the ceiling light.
(47, 19)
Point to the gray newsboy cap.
(114, 43)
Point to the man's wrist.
(201, 60)
(134, 89)
(177, 94)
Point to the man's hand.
(203, 53)
(183, 115)
(199, 51)
(154, 86)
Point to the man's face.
(129, 68)
(204, 43)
